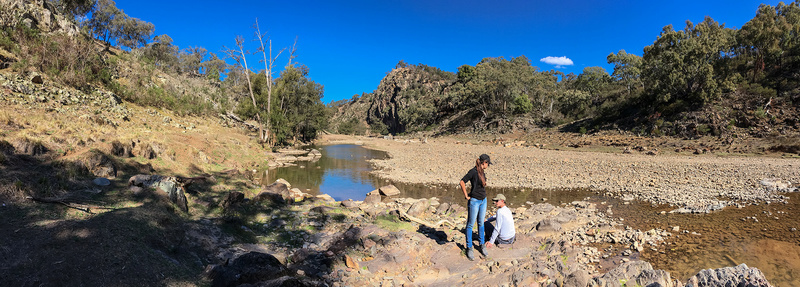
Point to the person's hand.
(488, 245)
(467, 197)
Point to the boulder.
(101, 181)
(548, 225)
(372, 198)
(350, 203)
(167, 184)
(418, 208)
(579, 278)
(101, 165)
(442, 208)
(122, 149)
(234, 198)
(389, 190)
(729, 276)
(252, 267)
(325, 197)
(636, 272)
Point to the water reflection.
(343, 172)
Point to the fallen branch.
(81, 207)
(423, 222)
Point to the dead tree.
(241, 60)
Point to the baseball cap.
(485, 158)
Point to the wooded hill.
(705, 79)
(91, 46)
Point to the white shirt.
(505, 225)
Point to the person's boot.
(470, 255)
(483, 250)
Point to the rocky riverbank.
(691, 183)
(419, 242)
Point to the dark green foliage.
(683, 65)
(297, 109)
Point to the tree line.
(682, 71)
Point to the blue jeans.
(477, 212)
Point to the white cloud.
(558, 61)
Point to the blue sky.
(349, 46)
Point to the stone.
(166, 184)
(252, 267)
(740, 275)
(350, 203)
(372, 198)
(418, 208)
(101, 181)
(389, 190)
(548, 225)
(325, 197)
(122, 149)
(100, 165)
(234, 198)
(579, 278)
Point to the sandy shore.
(682, 180)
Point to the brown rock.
(350, 262)
(389, 190)
(233, 199)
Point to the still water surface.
(770, 244)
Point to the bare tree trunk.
(269, 65)
(239, 57)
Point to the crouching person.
(503, 233)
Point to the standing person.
(503, 232)
(476, 201)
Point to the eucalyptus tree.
(679, 69)
(108, 23)
(299, 111)
(627, 70)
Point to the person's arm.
(496, 231)
(464, 189)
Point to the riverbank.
(693, 182)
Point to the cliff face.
(407, 99)
(35, 14)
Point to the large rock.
(579, 278)
(234, 198)
(167, 184)
(548, 225)
(389, 190)
(122, 149)
(372, 197)
(419, 207)
(250, 268)
(101, 165)
(729, 276)
(636, 273)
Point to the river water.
(764, 236)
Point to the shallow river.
(763, 236)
